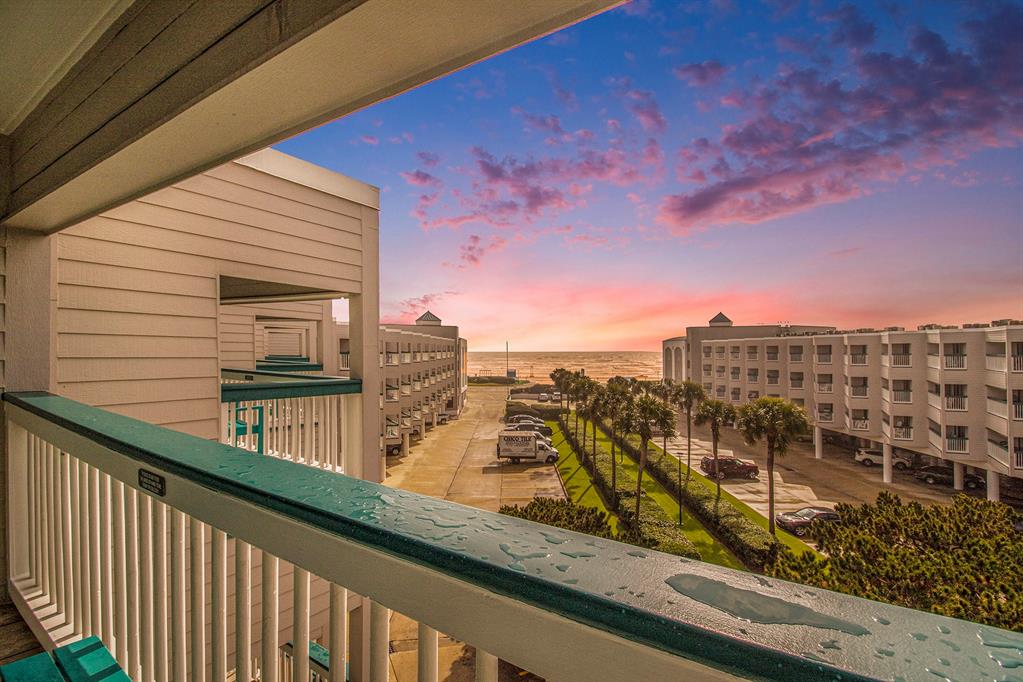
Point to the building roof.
(720, 318)
(427, 317)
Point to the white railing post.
(338, 632)
(77, 563)
(268, 659)
(160, 616)
(179, 626)
(219, 588)
(19, 506)
(428, 654)
(95, 576)
(106, 561)
(131, 557)
(486, 666)
(146, 597)
(379, 641)
(68, 590)
(242, 610)
(197, 594)
(120, 598)
(84, 558)
(300, 624)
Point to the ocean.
(600, 365)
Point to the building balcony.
(823, 359)
(1017, 411)
(772, 381)
(902, 396)
(858, 359)
(902, 433)
(998, 451)
(934, 400)
(171, 520)
(957, 445)
(391, 358)
(956, 403)
(795, 383)
(933, 362)
(772, 357)
(720, 356)
(999, 408)
(796, 358)
(955, 362)
(290, 416)
(345, 361)
(995, 363)
(391, 394)
(1017, 363)
(859, 424)
(417, 385)
(406, 389)
(858, 391)
(824, 388)
(752, 378)
(751, 357)
(901, 360)
(825, 417)
(934, 439)
(735, 356)
(406, 358)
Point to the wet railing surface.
(256, 384)
(739, 622)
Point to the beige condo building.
(951, 393)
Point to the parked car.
(799, 522)
(805, 437)
(556, 396)
(546, 431)
(933, 475)
(868, 457)
(729, 467)
(443, 418)
(525, 419)
(544, 398)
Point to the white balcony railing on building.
(795, 383)
(826, 417)
(955, 403)
(772, 381)
(391, 358)
(824, 388)
(899, 396)
(902, 360)
(955, 362)
(958, 445)
(796, 357)
(858, 391)
(1017, 411)
(752, 378)
(995, 363)
(999, 408)
(934, 399)
(772, 357)
(858, 359)
(301, 418)
(345, 361)
(1017, 363)
(902, 432)
(859, 424)
(144, 537)
(998, 451)
(824, 359)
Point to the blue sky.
(605, 186)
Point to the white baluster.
(146, 597)
(75, 530)
(120, 578)
(379, 641)
(428, 643)
(243, 610)
(106, 561)
(179, 627)
(338, 631)
(486, 666)
(161, 617)
(95, 552)
(46, 483)
(219, 644)
(197, 592)
(131, 559)
(300, 630)
(268, 660)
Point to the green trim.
(38, 668)
(290, 366)
(739, 622)
(291, 376)
(87, 660)
(287, 358)
(235, 393)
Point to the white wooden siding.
(285, 342)
(140, 330)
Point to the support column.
(818, 442)
(958, 469)
(886, 462)
(994, 480)
(405, 443)
(364, 325)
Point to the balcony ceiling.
(173, 88)
(237, 290)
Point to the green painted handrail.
(280, 366)
(278, 385)
(735, 621)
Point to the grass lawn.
(697, 478)
(576, 479)
(711, 550)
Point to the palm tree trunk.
(639, 480)
(689, 444)
(717, 475)
(614, 470)
(770, 487)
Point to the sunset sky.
(605, 186)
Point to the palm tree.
(777, 422)
(688, 395)
(559, 377)
(596, 410)
(618, 399)
(648, 412)
(715, 413)
(583, 389)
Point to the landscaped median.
(735, 523)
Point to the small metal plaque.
(153, 483)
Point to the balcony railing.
(772, 357)
(824, 388)
(902, 360)
(772, 381)
(345, 361)
(999, 408)
(899, 396)
(998, 451)
(826, 417)
(934, 438)
(391, 358)
(995, 363)
(752, 378)
(859, 424)
(1017, 411)
(902, 432)
(956, 403)
(796, 357)
(116, 516)
(824, 359)
(955, 362)
(858, 391)
(290, 416)
(734, 356)
(958, 445)
(934, 399)
(795, 383)
(289, 364)
(1017, 363)
(858, 359)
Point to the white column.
(405, 444)
(818, 442)
(886, 462)
(993, 481)
(364, 325)
(958, 469)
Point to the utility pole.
(507, 364)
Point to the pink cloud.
(643, 106)
(369, 139)
(419, 178)
(701, 74)
(471, 253)
(429, 159)
(407, 310)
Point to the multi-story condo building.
(422, 379)
(208, 524)
(951, 393)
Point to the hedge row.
(563, 514)
(492, 380)
(656, 530)
(753, 545)
(515, 407)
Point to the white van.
(524, 446)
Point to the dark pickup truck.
(729, 467)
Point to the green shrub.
(492, 380)
(751, 544)
(514, 407)
(563, 514)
